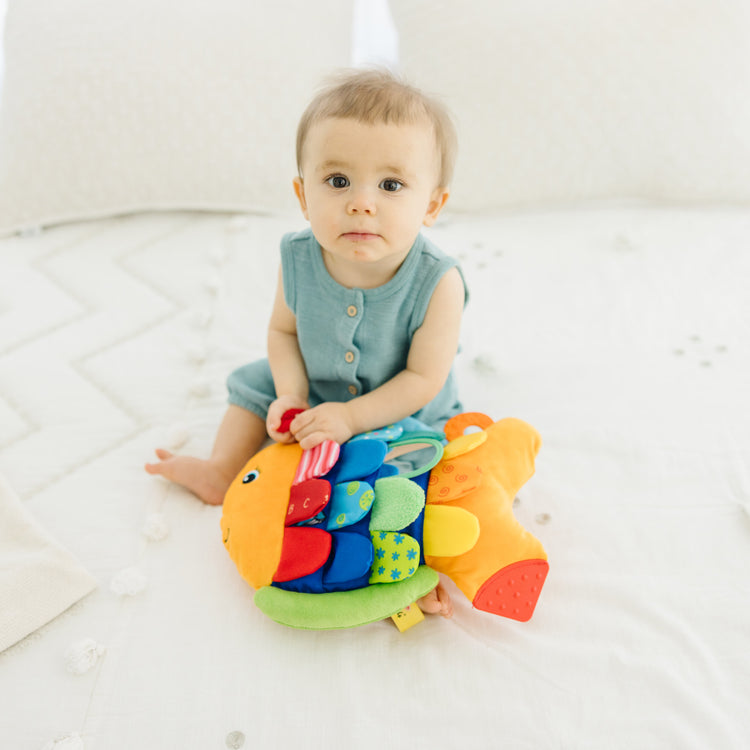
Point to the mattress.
(618, 331)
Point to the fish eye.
(251, 476)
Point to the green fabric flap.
(344, 609)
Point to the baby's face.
(367, 190)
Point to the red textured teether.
(514, 590)
(287, 418)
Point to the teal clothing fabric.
(352, 340)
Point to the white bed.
(618, 329)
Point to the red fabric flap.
(303, 551)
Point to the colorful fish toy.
(341, 536)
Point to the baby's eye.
(338, 181)
(391, 186)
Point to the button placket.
(348, 359)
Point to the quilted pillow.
(149, 104)
(588, 99)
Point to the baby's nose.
(361, 202)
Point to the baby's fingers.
(301, 422)
(280, 437)
(310, 441)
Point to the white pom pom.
(71, 741)
(197, 354)
(83, 655)
(212, 284)
(623, 244)
(235, 740)
(484, 364)
(217, 254)
(200, 388)
(155, 529)
(177, 436)
(129, 582)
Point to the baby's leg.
(437, 602)
(240, 436)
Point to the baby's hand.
(276, 411)
(330, 421)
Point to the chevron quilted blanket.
(619, 333)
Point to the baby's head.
(375, 97)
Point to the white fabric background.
(3, 8)
(140, 105)
(620, 334)
(28, 550)
(588, 99)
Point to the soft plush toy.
(345, 535)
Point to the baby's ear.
(435, 206)
(299, 191)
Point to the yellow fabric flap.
(449, 531)
(464, 444)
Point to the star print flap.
(396, 556)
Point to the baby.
(365, 323)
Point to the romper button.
(349, 357)
(353, 390)
(351, 311)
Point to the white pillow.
(150, 104)
(587, 99)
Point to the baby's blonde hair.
(375, 97)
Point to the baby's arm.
(431, 355)
(287, 366)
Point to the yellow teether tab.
(463, 444)
(449, 531)
(407, 617)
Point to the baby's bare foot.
(202, 477)
(437, 602)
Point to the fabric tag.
(408, 617)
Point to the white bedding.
(619, 332)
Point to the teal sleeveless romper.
(352, 340)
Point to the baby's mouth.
(360, 236)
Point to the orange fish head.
(255, 506)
